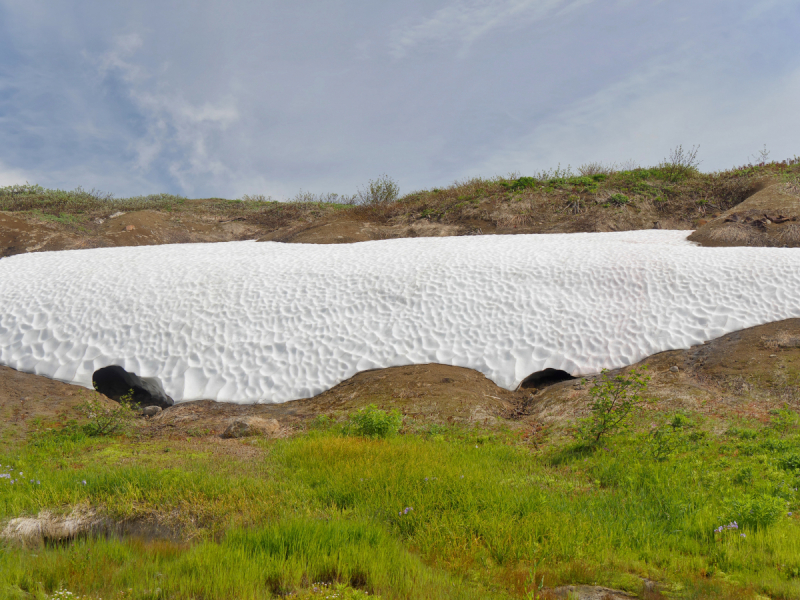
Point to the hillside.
(665, 197)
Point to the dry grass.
(782, 339)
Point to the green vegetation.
(103, 419)
(705, 508)
(373, 422)
(612, 403)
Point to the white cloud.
(465, 21)
(173, 125)
(11, 176)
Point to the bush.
(669, 437)
(619, 200)
(790, 462)
(373, 422)
(519, 184)
(755, 512)
(612, 401)
(380, 191)
(108, 421)
(680, 164)
(783, 420)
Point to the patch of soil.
(23, 232)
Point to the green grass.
(484, 512)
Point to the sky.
(208, 98)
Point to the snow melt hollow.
(268, 322)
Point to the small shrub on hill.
(371, 421)
(784, 420)
(755, 512)
(669, 437)
(612, 402)
(104, 420)
(619, 200)
(380, 191)
(680, 164)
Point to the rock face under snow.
(115, 382)
(268, 322)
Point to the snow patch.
(268, 322)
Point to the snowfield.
(268, 322)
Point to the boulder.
(115, 382)
(151, 411)
(247, 426)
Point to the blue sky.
(211, 98)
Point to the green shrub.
(104, 420)
(382, 190)
(790, 462)
(612, 402)
(755, 512)
(371, 421)
(743, 433)
(667, 438)
(519, 184)
(783, 420)
(619, 200)
(680, 164)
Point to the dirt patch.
(770, 217)
(25, 232)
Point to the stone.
(130, 227)
(588, 592)
(249, 426)
(674, 369)
(115, 382)
(151, 411)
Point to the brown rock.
(130, 227)
(248, 426)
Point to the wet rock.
(588, 592)
(49, 528)
(249, 426)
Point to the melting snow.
(269, 322)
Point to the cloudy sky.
(224, 98)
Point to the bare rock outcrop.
(249, 426)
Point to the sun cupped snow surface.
(268, 322)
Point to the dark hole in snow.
(542, 379)
(115, 382)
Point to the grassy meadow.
(433, 512)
